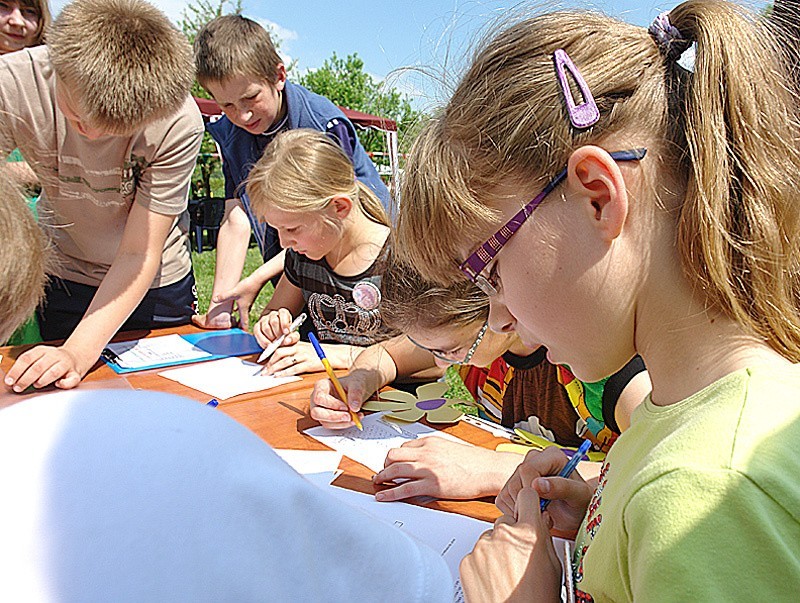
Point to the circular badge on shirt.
(366, 295)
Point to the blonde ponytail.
(739, 225)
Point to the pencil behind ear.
(595, 178)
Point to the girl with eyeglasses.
(618, 190)
(512, 384)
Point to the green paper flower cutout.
(429, 403)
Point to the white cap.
(141, 496)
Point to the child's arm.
(128, 279)
(232, 242)
(445, 469)
(374, 368)
(246, 291)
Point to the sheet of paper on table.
(380, 435)
(320, 467)
(450, 534)
(225, 378)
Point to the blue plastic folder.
(214, 345)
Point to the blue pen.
(213, 403)
(569, 468)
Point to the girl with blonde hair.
(635, 191)
(335, 231)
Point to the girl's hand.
(570, 496)
(332, 412)
(515, 561)
(438, 467)
(293, 359)
(45, 365)
(274, 324)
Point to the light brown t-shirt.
(89, 186)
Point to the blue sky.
(391, 35)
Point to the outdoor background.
(399, 60)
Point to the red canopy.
(210, 107)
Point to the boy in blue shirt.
(239, 66)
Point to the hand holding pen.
(332, 376)
(270, 349)
(571, 465)
(540, 470)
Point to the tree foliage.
(345, 82)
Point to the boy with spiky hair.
(103, 115)
(239, 66)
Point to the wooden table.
(278, 416)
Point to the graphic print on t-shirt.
(336, 319)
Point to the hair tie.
(668, 38)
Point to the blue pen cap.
(315, 342)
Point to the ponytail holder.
(668, 38)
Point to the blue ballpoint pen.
(569, 468)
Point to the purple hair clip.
(586, 114)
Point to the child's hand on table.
(241, 299)
(570, 496)
(293, 359)
(438, 467)
(45, 365)
(217, 317)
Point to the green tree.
(345, 83)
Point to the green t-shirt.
(700, 501)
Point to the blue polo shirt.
(304, 109)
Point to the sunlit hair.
(233, 45)
(302, 170)
(726, 136)
(123, 61)
(411, 303)
(42, 9)
(23, 259)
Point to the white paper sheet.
(320, 467)
(450, 534)
(370, 447)
(225, 378)
(155, 350)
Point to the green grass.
(204, 264)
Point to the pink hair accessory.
(582, 115)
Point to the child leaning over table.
(239, 66)
(103, 115)
(512, 384)
(335, 232)
(656, 212)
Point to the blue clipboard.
(220, 344)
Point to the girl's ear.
(341, 206)
(595, 179)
